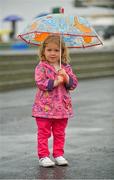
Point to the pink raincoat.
(52, 102)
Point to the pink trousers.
(46, 127)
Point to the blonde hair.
(55, 39)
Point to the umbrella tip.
(61, 10)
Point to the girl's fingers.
(60, 78)
(62, 71)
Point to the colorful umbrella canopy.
(76, 31)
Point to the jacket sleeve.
(43, 82)
(73, 81)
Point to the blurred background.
(17, 59)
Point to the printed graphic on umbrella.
(76, 31)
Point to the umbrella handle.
(62, 12)
(60, 52)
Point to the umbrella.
(13, 19)
(76, 31)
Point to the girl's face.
(52, 53)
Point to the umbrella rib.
(80, 35)
(28, 42)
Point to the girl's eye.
(56, 50)
(49, 49)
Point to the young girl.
(52, 106)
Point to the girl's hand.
(62, 71)
(63, 74)
(59, 80)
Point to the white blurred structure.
(104, 21)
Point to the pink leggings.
(45, 128)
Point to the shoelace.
(43, 158)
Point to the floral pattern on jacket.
(50, 101)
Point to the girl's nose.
(53, 52)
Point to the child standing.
(52, 106)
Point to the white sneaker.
(46, 162)
(61, 161)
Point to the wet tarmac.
(89, 138)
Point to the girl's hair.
(55, 39)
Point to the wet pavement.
(89, 138)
